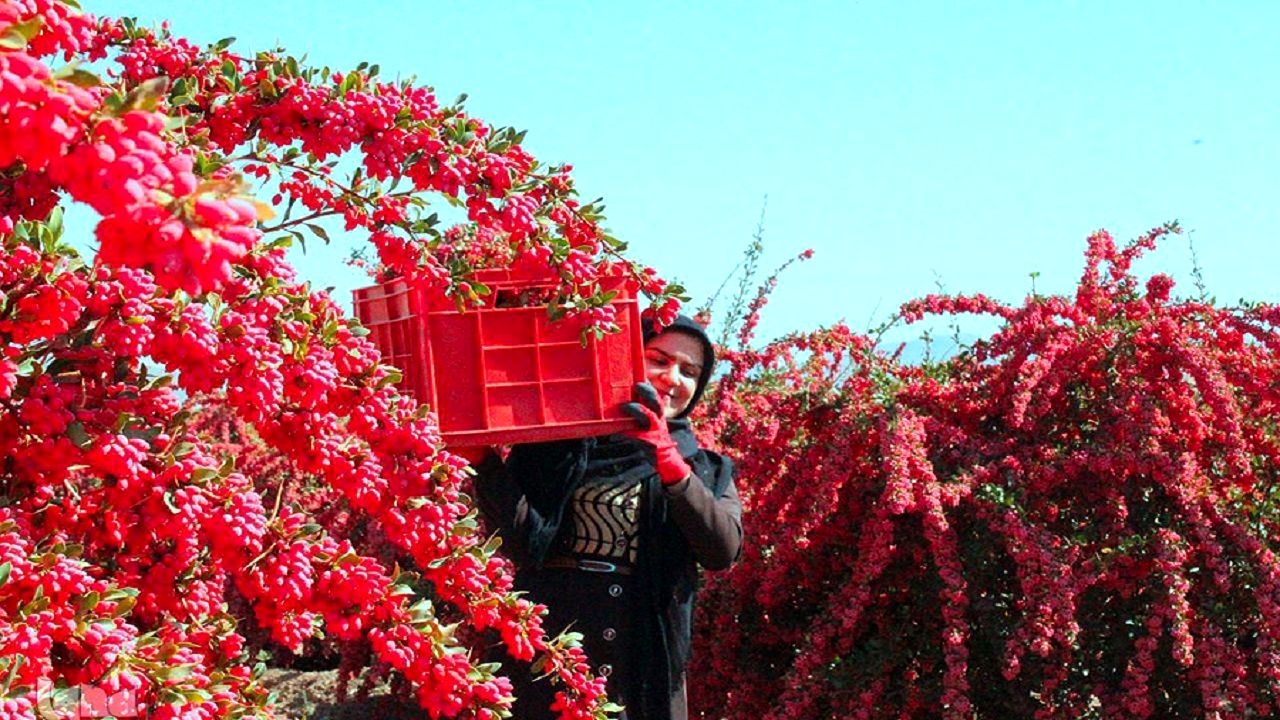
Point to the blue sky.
(912, 145)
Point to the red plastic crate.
(497, 375)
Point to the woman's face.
(673, 363)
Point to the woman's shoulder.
(719, 465)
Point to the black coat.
(636, 628)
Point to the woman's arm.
(712, 525)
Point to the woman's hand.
(652, 429)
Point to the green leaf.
(18, 35)
(539, 666)
(196, 696)
(169, 696)
(422, 609)
(318, 231)
(77, 435)
(348, 83)
(15, 662)
(5, 569)
(492, 545)
(28, 368)
(168, 502)
(82, 78)
(37, 605)
(124, 606)
(160, 381)
(392, 377)
(118, 594)
(399, 590)
(123, 420)
(54, 221)
(48, 241)
(173, 123)
(146, 96)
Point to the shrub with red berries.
(124, 526)
(1074, 518)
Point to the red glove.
(652, 429)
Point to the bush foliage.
(1074, 518)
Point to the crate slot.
(505, 365)
(514, 406)
(572, 402)
(507, 327)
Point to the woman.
(608, 532)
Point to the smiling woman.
(609, 532)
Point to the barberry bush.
(1075, 518)
(123, 528)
